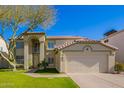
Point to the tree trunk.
(10, 62)
(14, 67)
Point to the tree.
(16, 17)
(110, 32)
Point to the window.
(19, 44)
(36, 47)
(51, 44)
(20, 59)
(50, 60)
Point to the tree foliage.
(16, 17)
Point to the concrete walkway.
(36, 75)
(98, 80)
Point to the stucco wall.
(57, 62)
(3, 45)
(4, 63)
(97, 50)
(117, 41)
(80, 46)
(28, 59)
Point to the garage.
(79, 62)
(85, 57)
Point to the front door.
(35, 60)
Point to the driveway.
(98, 80)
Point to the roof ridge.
(66, 44)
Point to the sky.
(87, 21)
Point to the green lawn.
(9, 79)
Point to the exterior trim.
(89, 42)
(34, 33)
(63, 37)
(91, 51)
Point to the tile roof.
(84, 40)
(63, 37)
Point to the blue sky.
(87, 21)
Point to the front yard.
(9, 79)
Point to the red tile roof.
(84, 40)
(63, 37)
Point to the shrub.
(43, 64)
(119, 67)
(19, 65)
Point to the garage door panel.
(83, 63)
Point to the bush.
(119, 67)
(43, 64)
(19, 66)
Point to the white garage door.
(77, 62)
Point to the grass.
(9, 79)
(48, 71)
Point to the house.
(116, 39)
(3, 48)
(69, 54)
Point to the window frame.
(51, 44)
(20, 59)
(19, 45)
(50, 60)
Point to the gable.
(80, 46)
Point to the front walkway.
(36, 75)
(98, 80)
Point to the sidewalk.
(36, 75)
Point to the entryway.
(35, 52)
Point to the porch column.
(42, 51)
(26, 54)
(111, 62)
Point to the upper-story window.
(51, 44)
(19, 44)
(36, 47)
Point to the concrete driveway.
(93, 80)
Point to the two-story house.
(4, 50)
(116, 39)
(69, 54)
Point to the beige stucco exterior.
(117, 41)
(3, 45)
(27, 50)
(3, 48)
(74, 59)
